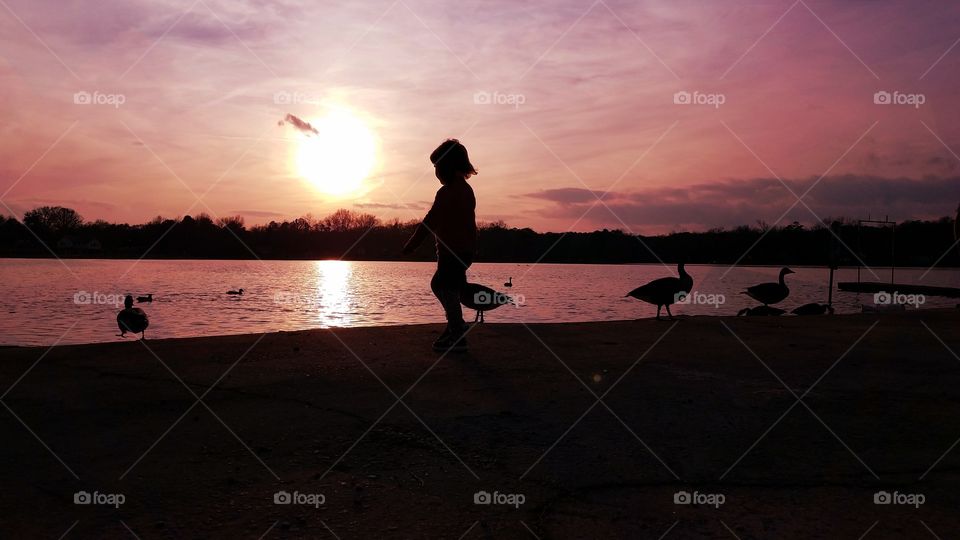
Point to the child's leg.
(447, 282)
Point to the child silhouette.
(452, 221)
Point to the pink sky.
(597, 81)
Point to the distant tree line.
(351, 235)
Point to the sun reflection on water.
(333, 293)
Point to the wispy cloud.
(744, 202)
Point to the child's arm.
(428, 225)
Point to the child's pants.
(448, 281)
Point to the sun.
(340, 156)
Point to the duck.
(147, 298)
(482, 299)
(236, 292)
(813, 308)
(664, 291)
(132, 319)
(770, 293)
(760, 311)
(509, 283)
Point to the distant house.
(93, 245)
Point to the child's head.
(451, 161)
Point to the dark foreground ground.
(792, 423)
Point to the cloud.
(390, 206)
(569, 195)
(744, 202)
(301, 125)
(258, 213)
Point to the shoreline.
(693, 405)
(432, 326)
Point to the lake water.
(40, 299)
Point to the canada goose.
(770, 293)
(482, 299)
(147, 298)
(237, 292)
(813, 308)
(761, 311)
(509, 283)
(665, 291)
(132, 319)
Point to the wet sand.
(199, 434)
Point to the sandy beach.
(780, 428)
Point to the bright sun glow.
(340, 156)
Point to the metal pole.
(830, 290)
(893, 251)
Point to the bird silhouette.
(770, 293)
(482, 299)
(761, 311)
(509, 283)
(132, 319)
(237, 292)
(813, 308)
(147, 298)
(665, 291)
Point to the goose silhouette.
(665, 291)
(237, 292)
(132, 319)
(147, 298)
(482, 299)
(509, 283)
(770, 293)
(813, 308)
(761, 311)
